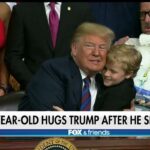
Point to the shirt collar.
(47, 3)
(83, 76)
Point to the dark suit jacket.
(58, 82)
(29, 41)
(117, 97)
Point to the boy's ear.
(129, 75)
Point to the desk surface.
(80, 143)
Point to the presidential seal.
(55, 144)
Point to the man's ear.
(74, 48)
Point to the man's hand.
(56, 108)
(122, 40)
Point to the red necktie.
(86, 96)
(53, 23)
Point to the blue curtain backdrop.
(121, 17)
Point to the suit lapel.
(43, 23)
(65, 17)
(76, 82)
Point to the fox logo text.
(74, 132)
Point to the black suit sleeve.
(47, 88)
(15, 48)
(117, 97)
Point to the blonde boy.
(122, 64)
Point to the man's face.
(90, 53)
(145, 17)
(113, 74)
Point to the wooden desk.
(80, 143)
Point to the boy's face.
(113, 74)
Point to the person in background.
(121, 17)
(122, 64)
(2, 43)
(72, 82)
(5, 13)
(30, 41)
(7, 81)
(142, 44)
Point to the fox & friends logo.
(55, 144)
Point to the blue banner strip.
(74, 132)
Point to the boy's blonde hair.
(126, 55)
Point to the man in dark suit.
(59, 82)
(29, 39)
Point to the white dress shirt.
(11, 4)
(48, 9)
